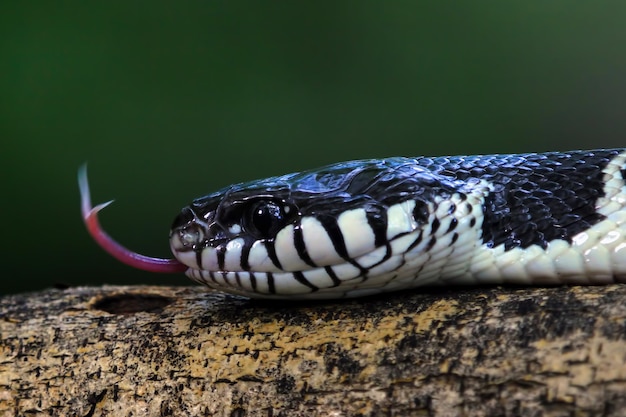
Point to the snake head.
(307, 232)
(229, 222)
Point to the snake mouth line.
(112, 247)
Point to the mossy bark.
(151, 351)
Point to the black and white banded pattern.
(364, 227)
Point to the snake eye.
(265, 218)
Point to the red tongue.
(136, 260)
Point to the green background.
(168, 101)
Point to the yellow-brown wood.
(152, 351)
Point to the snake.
(365, 227)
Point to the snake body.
(364, 227)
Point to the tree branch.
(185, 351)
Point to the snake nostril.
(191, 235)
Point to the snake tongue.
(136, 260)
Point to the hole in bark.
(132, 303)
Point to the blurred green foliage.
(168, 101)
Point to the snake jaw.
(106, 242)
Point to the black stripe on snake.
(364, 227)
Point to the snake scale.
(363, 227)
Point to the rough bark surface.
(160, 351)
